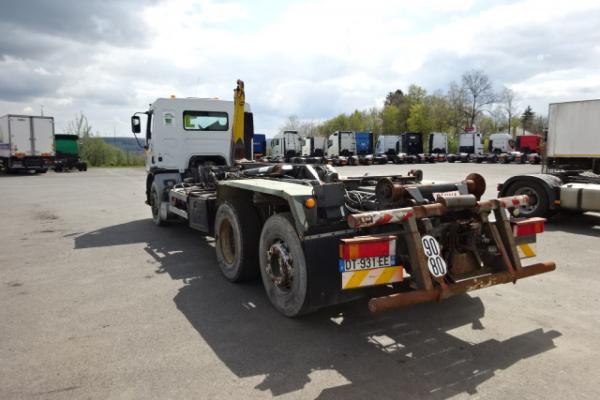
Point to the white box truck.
(570, 178)
(26, 142)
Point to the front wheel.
(283, 267)
(155, 205)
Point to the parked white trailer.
(574, 130)
(26, 142)
(570, 177)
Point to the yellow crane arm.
(239, 100)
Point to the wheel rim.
(280, 266)
(227, 241)
(533, 199)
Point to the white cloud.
(310, 58)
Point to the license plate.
(359, 264)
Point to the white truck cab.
(388, 144)
(501, 143)
(470, 143)
(438, 142)
(181, 130)
(183, 134)
(341, 143)
(284, 145)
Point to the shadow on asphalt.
(579, 224)
(407, 353)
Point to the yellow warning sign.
(371, 277)
(526, 250)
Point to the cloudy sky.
(310, 58)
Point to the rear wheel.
(539, 203)
(237, 229)
(283, 267)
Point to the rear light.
(528, 227)
(367, 246)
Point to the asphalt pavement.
(98, 303)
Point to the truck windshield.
(205, 121)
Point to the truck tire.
(155, 207)
(283, 267)
(539, 202)
(237, 230)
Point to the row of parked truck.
(28, 143)
(353, 148)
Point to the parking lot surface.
(98, 303)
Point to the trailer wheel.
(283, 267)
(538, 200)
(237, 230)
(155, 206)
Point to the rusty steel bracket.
(436, 289)
(399, 300)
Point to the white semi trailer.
(26, 143)
(570, 178)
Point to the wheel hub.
(280, 267)
(533, 199)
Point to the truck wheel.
(538, 200)
(237, 230)
(155, 206)
(282, 266)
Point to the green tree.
(419, 119)
(527, 119)
(390, 120)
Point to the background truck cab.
(284, 146)
(341, 143)
(500, 143)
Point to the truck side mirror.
(136, 125)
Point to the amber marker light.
(310, 202)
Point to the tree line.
(471, 102)
(95, 151)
